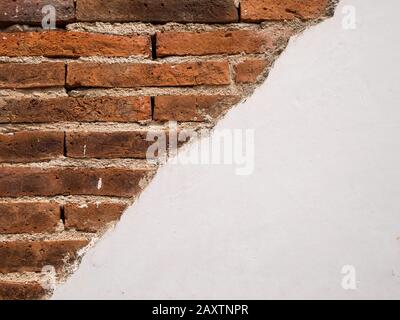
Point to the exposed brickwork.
(29, 146)
(147, 74)
(13, 290)
(29, 217)
(77, 103)
(250, 70)
(32, 256)
(205, 11)
(17, 182)
(259, 10)
(100, 109)
(30, 11)
(192, 108)
(126, 144)
(215, 42)
(41, 75)
(92, 217)
(73, 44)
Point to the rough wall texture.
(76, 104)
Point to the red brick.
(32, 256)
(13, 290)
(121, 144)
(92, 217)
(192, 107)
(147, 74)
(21, 181)
(259, 10)
(72, 44)
(100, 109)
(29, 217)
(204, 11)
(30, 146)
(215, 42)
(41, 75)
(249, 70)
(30, 11)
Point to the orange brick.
(215, 42)
(72, 44)
(148, 74)
(260, 10)
(249, 70)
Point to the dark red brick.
(22, 181)
(40, 75)
(92, 217)
(204, 11)
(31, 146)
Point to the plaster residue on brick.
(255, 65)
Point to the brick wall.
(76, 104)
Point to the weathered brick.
(13, 290)
(41, 75)
(32, 256)
(260, 10)
(30, 11)
(204, 11)
(72, 44)
(22, 181)
(99, 109)
(147, 74)
(92, 217)
(121, 144)
(29, 217)
(249, 70)
(215, 42)
(192, 107)
(29, 146)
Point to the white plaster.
(100, 183)
(324, 194)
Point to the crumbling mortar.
(93, 126)
(62, 200)
(120, 163)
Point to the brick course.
(147, 74)
(99, 109)
(192, 108)
(73, 44)
(205, 11)
(125, 144)
(19, 182)
(262, 10)
(30, 11)
(28, 146)
(214, 42)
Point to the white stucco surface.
(325, 191)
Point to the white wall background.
(325, 191)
